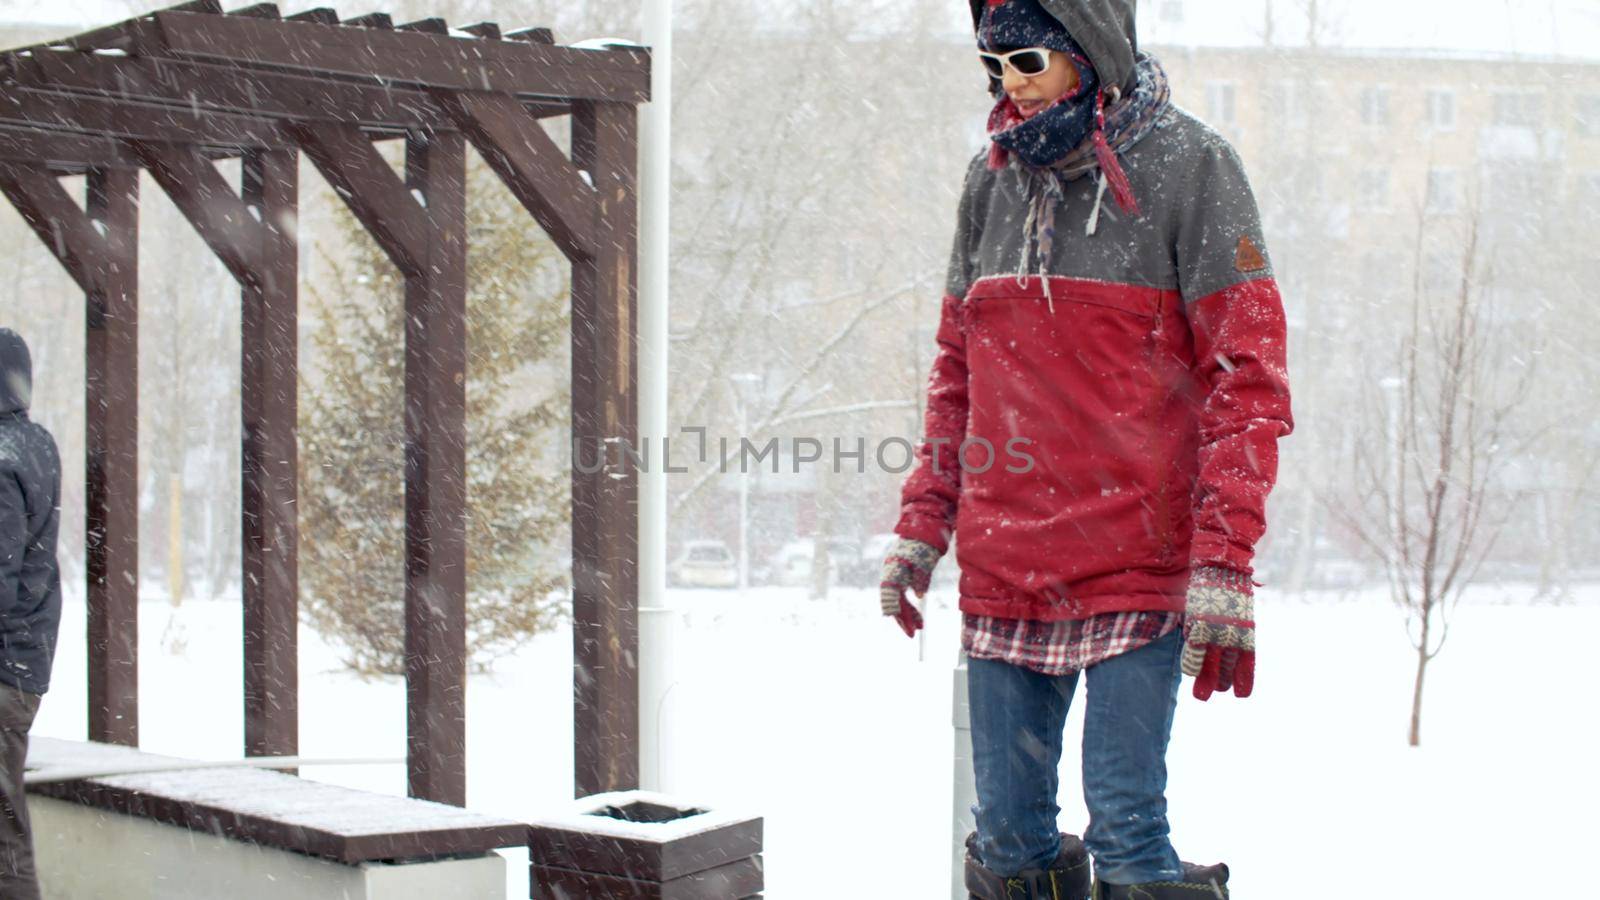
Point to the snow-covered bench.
(244, 833)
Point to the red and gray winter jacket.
(1150, 387)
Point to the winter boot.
(1067, 878)
(1199, 883)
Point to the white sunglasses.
(1028, 62)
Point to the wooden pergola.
(175, 91)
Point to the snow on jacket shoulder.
(1147, 386)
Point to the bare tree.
(806, 231)
(1432, 494)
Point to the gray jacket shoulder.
(1211, 213)
(976, 185)
(1184, 131)
(971, 211)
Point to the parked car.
(705, 563)
(791, 565)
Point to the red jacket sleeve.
(1239, 337)
(929, 497)
(931, 493)
(1236, 318)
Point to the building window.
(1518, 109)
(1219, 103)
(1444, 191)
(1172, 11)
(1375, 106)
(1589, 115)
(1373, 188)
(1442, 109)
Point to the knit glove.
(1219, 632)
(909, 565)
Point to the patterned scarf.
(1119, 126)
(1052, 133)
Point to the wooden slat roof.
(225, 82)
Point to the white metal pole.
(963, 784)
(744, 493)
(655, 195)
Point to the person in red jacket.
(1111, 316)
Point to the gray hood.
(1104, 28)
(16, 373)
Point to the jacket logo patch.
(1248, 257)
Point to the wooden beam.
(111, 485)
(190, 86)
(63, 226)
(139, 35)
(63, 153)
(371, 189)
(106, 117)
(321, 15)
(371, 20)
(489, 31)
(270, 486)
(411, 58)
(258, 11)
(209, 203)
(98, 246)
(605, 550)
(433, 25)
(436, 484)
(134, 36)
(541, 177)
(532, 35)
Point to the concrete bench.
(243, 833)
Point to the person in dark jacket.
(30, 599)
(1110, 303)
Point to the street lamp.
(657, 623)
(745, 385)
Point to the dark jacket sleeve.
(1236, 317)
(13, 539)
(41, 570)
(931, 494)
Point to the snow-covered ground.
(820, 717)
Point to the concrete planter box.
(86, 853)
(204, 833)
(640, 845)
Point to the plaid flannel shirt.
(1068, 645)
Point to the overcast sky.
(1529, 27)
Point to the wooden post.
(436, 483)
(421, 225)
(268, 394)
(111, 486)
(605, 632)
(99, 247)
(254, 237)
(190, 84)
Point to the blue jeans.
(1018, 716)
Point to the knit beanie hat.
(1014, 24)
